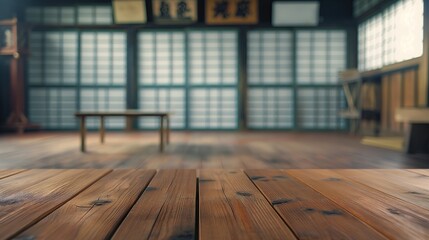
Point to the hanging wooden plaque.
(174, 11)
(232, 11)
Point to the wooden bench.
(417, 133)
(214, 204)
(164, 128)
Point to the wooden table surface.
(214, 204)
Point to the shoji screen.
(162, 76)
(317, 108)
(51, 15)
(321, 54)
(52, 77)
(371, 44)
(270, 80)
(103, 74)
(391, 36)
(213, 79)
(94, 15)
(70, 15)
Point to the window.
(52, 107)
(172, 100)
(321, 54)
(270, 108)
(213, 79)
(52, 77)
(70, 15)
(103, 99)
(103, 75)
(103, 58)
(57, 90)
(270, 57)
(162, 75)
(270, 79)
(392, 36)
(295, 87)
(318, 108)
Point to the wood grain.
(401, 184)
(395, 100)
(308, 213)
(97, 211)
(385, 106)
(166, 209)
(194, 150)
(7, 173)
(28, 199)
(410, 89)
(231, 207)
(391, 216)
(420, 171)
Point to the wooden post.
(102, 129)
(161, 134)
(82, 133)
(423, 80)
(17, 119)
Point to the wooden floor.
(200, 150)
(214, 204)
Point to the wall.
(403, 83)
(399, 89)
(332, 13)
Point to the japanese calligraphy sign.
(174, 11)
(129, 11)
(231, 11)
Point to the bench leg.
(82, 134)
(102, 130)
(129, 123)
(161, 134)
(168, 129)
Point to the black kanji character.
(164, 10)
(182, 9)
(242, 8)
(221, 9)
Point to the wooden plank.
(27, 199)
(398, 183)
(24, 180)
(391, 216)
(412, 115)
(310, 214)
(420, 171)
(7, 173)
(409, 177)
(127, 113)
(410, 88)
(385, 123)
(166, 210)
(97, 211)
(231, 207)
(395, 100)
(250, 151)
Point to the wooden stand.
(353, 112)
(362, 102)
(17, 119)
